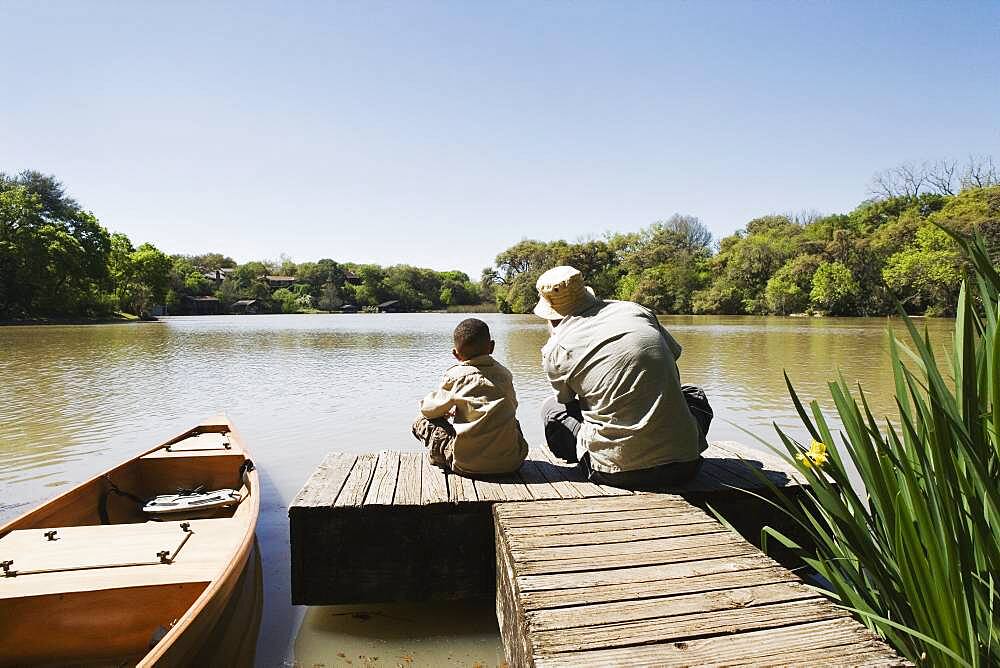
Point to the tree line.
(324, 285)
(57, 260)
(891, 248)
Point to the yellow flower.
(815, 457)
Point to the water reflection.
(75, 400)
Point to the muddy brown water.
(75, 400)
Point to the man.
(619, 409)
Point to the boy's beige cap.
(561, 293)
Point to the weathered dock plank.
(569, 474)
(326, 481)
(383, 485)
(693, 597)
(408, 482)
(535, 481)
(433, 484)
(390, 526)
(352, 495)
(461, 489)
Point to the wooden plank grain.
(587, 567)
(769, 459)
(513, 487)
(509, 612)
(685, 627)
(727, 475)
(537, 485)
(741, 468)
(580, 589)
(461, 489)
(857, 654)
(572, 476)
(323, 486)
(668, 515)
(489, 490)
(383, 485)
(610, 490)
(657, 521)
(356, 486)
(745, 460)
(541, 537)
(729, 574)
(433, 484)
(600, 551)
(619, 576)
(737, 649)
(555, 474)
(408, 480)
(668, 606)
(593, 506)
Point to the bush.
(286, 300)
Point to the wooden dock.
(390, 527)
(651, 580)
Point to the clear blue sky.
(440, 133)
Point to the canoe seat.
(89, 558)
(165, 472)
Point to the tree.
(141, 276)
(121, 269)
(747, 261)
(979, 172)
(286, 266)
(974, 210)
(229, 291)
(249, 281)
(53, 254)
(667, 288)
(789, 289)
(662, 241)
(329, 298)
(320, 273)
(926, 275)
(210, 261)
(833, 288)
(286, 300)
(941, 178)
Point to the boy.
(483, 436)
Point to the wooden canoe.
(111, 586)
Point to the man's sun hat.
(561, 293)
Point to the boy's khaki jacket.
(488, 435)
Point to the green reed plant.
(915, 553)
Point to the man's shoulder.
(611, 314)
(628, 307)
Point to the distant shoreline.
(29, 322)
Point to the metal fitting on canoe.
(5, 565)
(164, 556)
(51, 535)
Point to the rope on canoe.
(102, 502)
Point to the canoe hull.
(119, 588)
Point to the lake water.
(75, 400)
